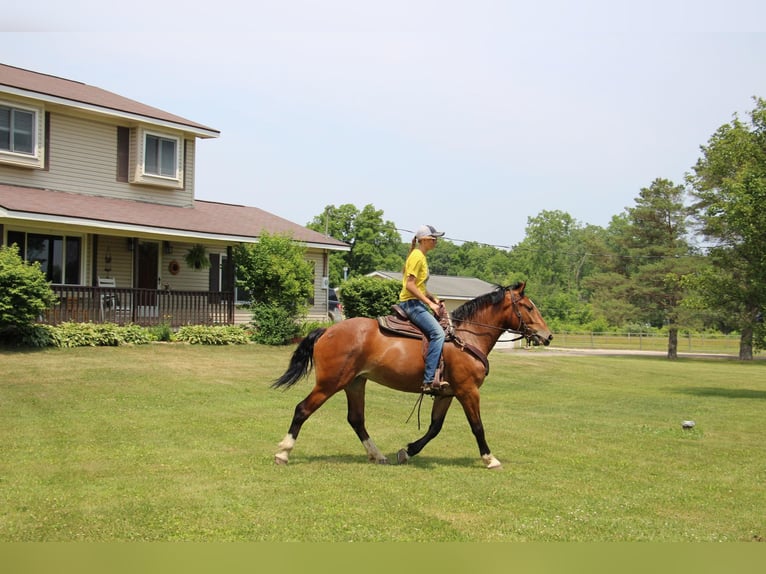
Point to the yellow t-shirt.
(417, 266)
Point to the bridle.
(523, 331)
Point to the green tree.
(280, 280)
(659, 249)
(375, 243)
(729, 184)
(24, 292)
(554, 257)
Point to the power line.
(570, 253)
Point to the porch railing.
(140, 306)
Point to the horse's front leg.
(470, 404)
(355, 400)
(438, 414)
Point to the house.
(454, 291)
(100, 189)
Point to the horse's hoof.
(383, 460)
(402, 457)
(279, 460)
(491, 462)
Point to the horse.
(349, 353)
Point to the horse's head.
(526, 319)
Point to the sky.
(472, 116)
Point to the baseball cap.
(427, 231)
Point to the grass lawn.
(176, 442)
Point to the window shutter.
(123, 153)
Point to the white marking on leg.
(283, 454)
(491, 461)
(373, 453)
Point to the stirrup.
(435, 388)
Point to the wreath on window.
(174, 267)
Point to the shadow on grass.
(421, 461)
(723, 392)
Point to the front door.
(148, 276)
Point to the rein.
(523, 331)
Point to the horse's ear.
(522, 286)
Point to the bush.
(369, 296)
(162, 332)
(273, 325)
(212, 335)
(89, 335)
(36, 336)
(24, 292)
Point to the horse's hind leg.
(303, 411)
(355, 399)
(438, 414)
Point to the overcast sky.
(471, 116)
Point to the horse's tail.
(301, 362)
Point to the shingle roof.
(446, 286)
(206, 218)
(46, 85)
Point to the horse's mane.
(470, 308)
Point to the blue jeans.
(421, 315)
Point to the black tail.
(301, 362)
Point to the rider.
(420, 306)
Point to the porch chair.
(109, 301)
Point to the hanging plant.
(197, 258)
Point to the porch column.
(229, 271)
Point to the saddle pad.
(397, 326)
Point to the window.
(150, 158)
(59, 256)
(161, 156)
(18, 129)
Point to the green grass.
(176, 442)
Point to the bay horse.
(347, 354)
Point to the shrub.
(273, 325)
(161, 332)
(36, 335)
(24, 292)
(369, 296)
(135, 335)
(212, 335)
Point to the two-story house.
(100, 190)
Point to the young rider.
(420, 305)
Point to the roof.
(446, 286)
(69, 92)
(205, 220)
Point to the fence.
(687, 343)
(140, 306)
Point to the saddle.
(400, 325)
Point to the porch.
(144, 307)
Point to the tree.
(554, 257)
(660, 255)
(24, 292)
(729, 184)
(375, 243)
(280, 280)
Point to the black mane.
(470, 308)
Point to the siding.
(83, 159)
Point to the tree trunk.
(746, 344)
(673, 343)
